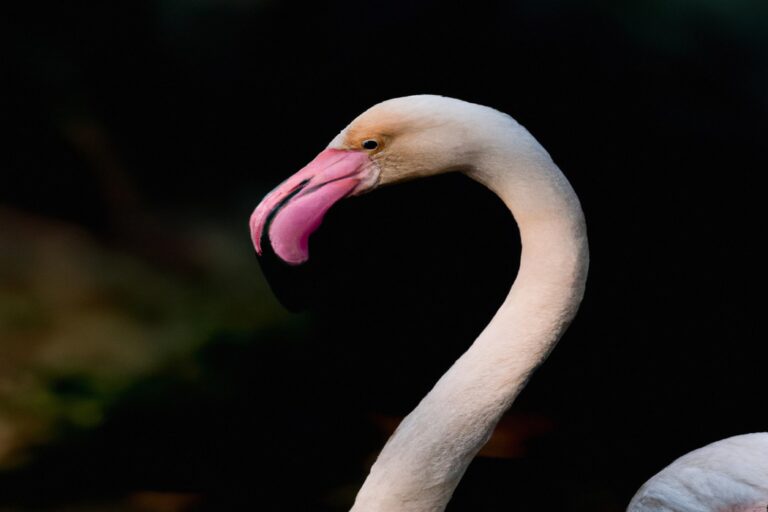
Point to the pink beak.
(295, 209)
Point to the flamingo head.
(393, 141)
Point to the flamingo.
(423, 461)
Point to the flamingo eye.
(370, 144)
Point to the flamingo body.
(726, 476)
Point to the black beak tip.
(289, 283)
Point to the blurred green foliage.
(81, 321)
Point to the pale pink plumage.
(727, 476)
(425, 458)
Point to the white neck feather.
(423, 461)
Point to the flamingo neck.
(425, 458)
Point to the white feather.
(727, 476)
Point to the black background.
(656, 113)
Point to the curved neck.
(425, 458)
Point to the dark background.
(138, 125)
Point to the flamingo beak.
(289, 214)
